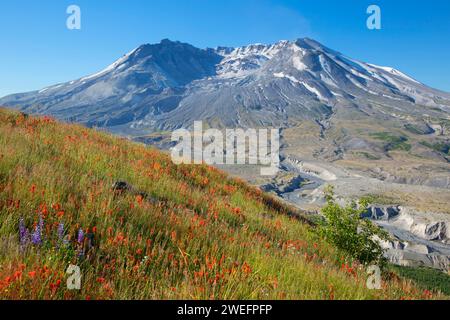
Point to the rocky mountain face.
(148, 80)
(171, 84)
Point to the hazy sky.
(38, 50)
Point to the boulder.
(384, 213)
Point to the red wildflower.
(331, 292)
(246, 268)
(17, 275)
(55, 286)
(275, 283)
(139, 199)
(278, 224)
(427, 294)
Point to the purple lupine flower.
(41, 223)
(24, 234)
(80, 240)
(60, 231)
(22, 227)
(36, 236)
(80, 236)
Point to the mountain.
(147, 80)
(171, 84)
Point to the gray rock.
(385, 213)
(437, 231)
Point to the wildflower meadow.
(183, 232)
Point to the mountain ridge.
(154, 81)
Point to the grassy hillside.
(183, 232)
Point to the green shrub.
(426, 278)
(414, 129)
(368, 155)
(442, 147)
(344, 228)
(393, 142)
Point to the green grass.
(393, 142)
(367, 155)
(442, 147)
(204, 235)
(426, 278)
(413, 129)
(379, 199)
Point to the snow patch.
(308, 87)
(282, 75)
(119, 64)
(395, 72)
(313, 90)
(298, 64)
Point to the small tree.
(344, 228)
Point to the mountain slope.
(146, 80)
(171, 84)
(186, 232)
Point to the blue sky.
(38, 50)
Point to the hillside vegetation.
(180, 232)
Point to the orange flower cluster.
(16, 276)
(19, 275)
(349, 270)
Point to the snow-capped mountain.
(171, 84)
